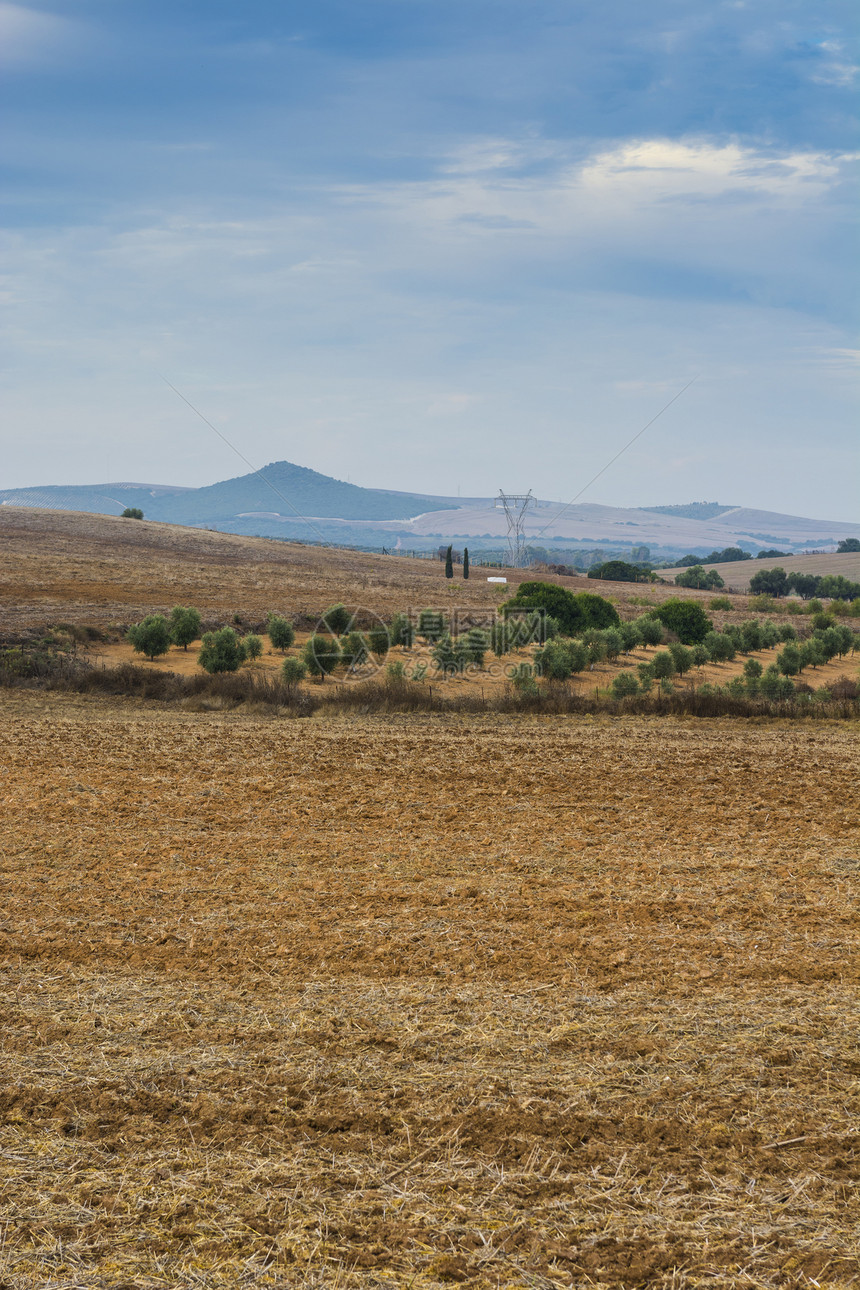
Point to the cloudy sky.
(435, 244)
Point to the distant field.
(737, 574)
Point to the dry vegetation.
(419, 1000)
(423, 1001)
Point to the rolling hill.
(289, 501)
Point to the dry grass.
(426, 1001)
(737, 574)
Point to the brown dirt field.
(60, 566)
(426, 1001)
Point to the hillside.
(289, 501)
(281, 488)
(59, 566)
(737, 574)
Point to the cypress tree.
(465, 563)
(449, 562)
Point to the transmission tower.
(515, 506)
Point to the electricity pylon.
(515, 506)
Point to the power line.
(254, 469)
(618, 454)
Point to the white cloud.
(31, 37)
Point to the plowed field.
(426, 1001)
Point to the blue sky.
(431, 245)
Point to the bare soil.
(426, 1001)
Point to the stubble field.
(420, 1001)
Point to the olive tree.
(150, 637)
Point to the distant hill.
(281, 499)
(281, 488)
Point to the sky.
(435, 245)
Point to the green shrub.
(293, 670)
(473, 645)
(321, 654)
(253, 645)
(624, 684)
(721, 602)
(150, 637)
(431, 625)
(337, 619)
(650, 630)
(554, 661)
(221, 651)
(789, 660)
(445, 656)
(763, 604)
(354, 650)
(400, 631)
(280, 631)
(720, 647)
(686, 618)
(681, 657)
(662, 665)
(574, 612)
(132, 513)
(524, 683)
(379, 640)
(184, 625)
(396, 672)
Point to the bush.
(686, 618)
(431, 625)
(752, 669)
(293, 670)
(770, 582)
(699, 655)
(321, 654)
(445, 656)
(524, 683)
(473, 645)
(554, 661)
(400, 631)
(354, 650)
(614, 643)
(221, 651)
(720, 647)
(750, 634)
(253, 645)
(698, 576)
(631, 634)
(721, 602)
(337, 619)
(763, 604)
(132, 513)
(789, 660)
(623, 685)
(184, 625)
(662, 665)
(150, 637)
(650, 630)
(396, 672)
(575, 612)
(681, 657)
(379, 640)
(280, 631)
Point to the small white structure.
(497, 580)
